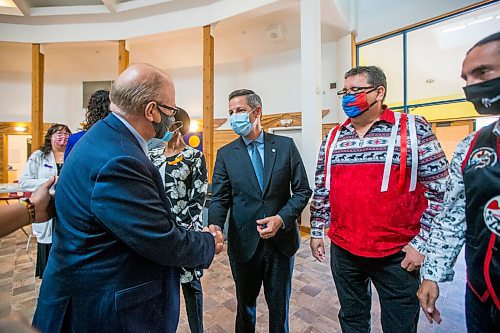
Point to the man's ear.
(149, 111)
(258, 112)
(380, 93)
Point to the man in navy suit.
(262, 179)
(116, 249)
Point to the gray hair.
(252, 98)
(132, 95)
(374, 76)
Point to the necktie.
(258, 166)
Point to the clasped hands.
(218, 237)
(269, 226)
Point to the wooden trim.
(273, 120)
(208, 100)
(5, 158)
(471, 126)
(7, 128)
(218, 122)
(123, 56)
(37, 79)
(304, 229)
(353, 50)
(447, 120)
(424, 22)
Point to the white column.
(344, 59)
(310, 84)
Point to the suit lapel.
(270, 151)
(247, 166)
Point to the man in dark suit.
(113, 264)
(262, 179)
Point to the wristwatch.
(30, 207)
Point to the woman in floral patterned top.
(184, 172)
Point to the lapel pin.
(273, 150)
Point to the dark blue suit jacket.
(112, 267)
(235, 186)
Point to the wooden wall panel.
(3, 159)
(222, 138)
(326, 128)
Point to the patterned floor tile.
(314, 304)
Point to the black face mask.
(162, 127)
(485, 96)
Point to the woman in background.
(184, 173)
(97, 109)
(43, 164)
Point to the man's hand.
(218, 237)
(413, 259)
(269, 226)
(44, 201)
(428, 293)
(318, 248)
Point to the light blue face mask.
(169, 135)
(240, 123)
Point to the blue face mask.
(240, 123)
(169, 135)
(354, 105)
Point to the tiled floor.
(313, 306)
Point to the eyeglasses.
(62, 133)
(174, 110)
(352, 91)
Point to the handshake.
(218, 237)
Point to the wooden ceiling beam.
(111, 5)
(23, 6)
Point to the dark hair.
(46, 148)
(183, 116)
(97, 108)
(374, 75)
(252, 98)
(491, 38)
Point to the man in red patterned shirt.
(380, 180)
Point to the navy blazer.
(112, 267)
(235, 186)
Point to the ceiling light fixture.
(20, 128)
(194, 126)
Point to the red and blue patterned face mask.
(355, 104)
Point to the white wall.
(64, 74)
(275, 77)
(374, 18)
